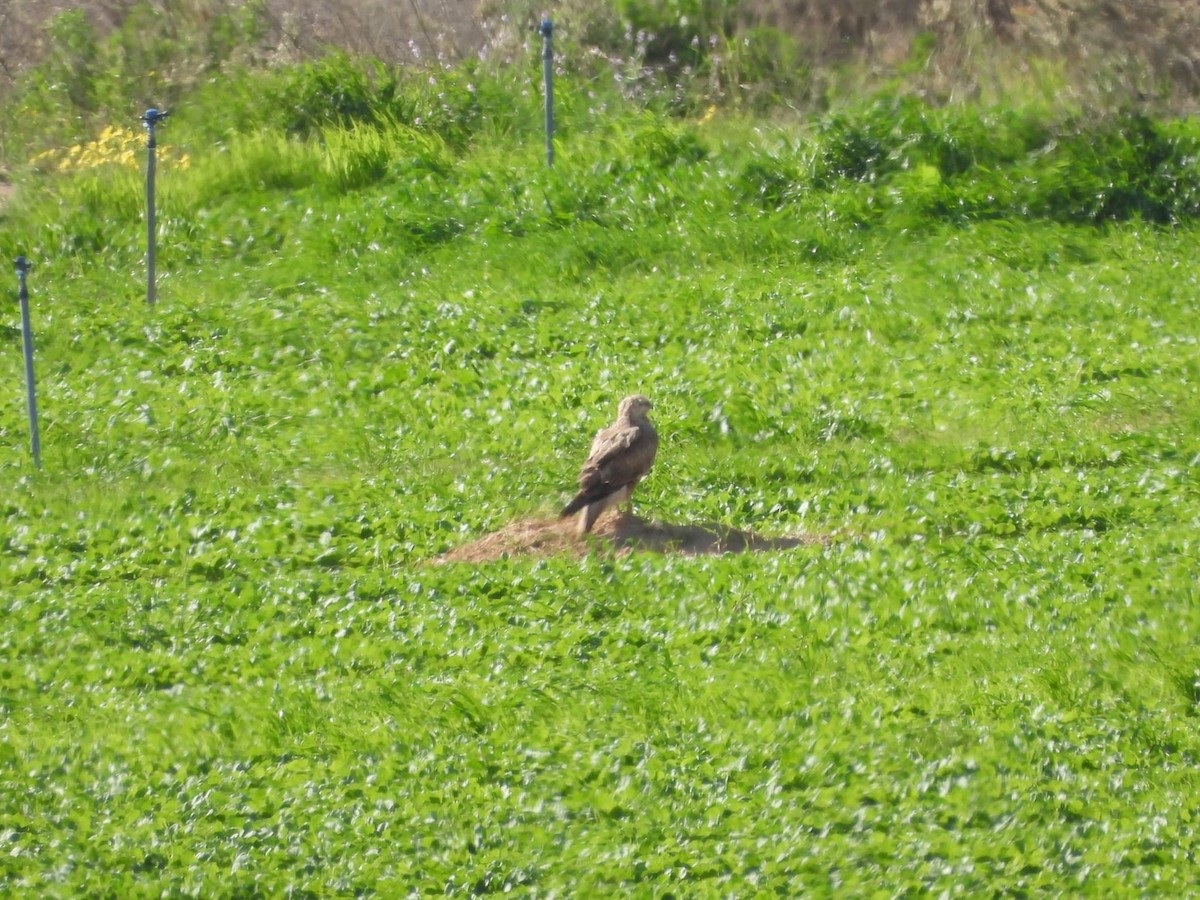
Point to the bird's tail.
(588, 495)
(592, 505)
(581, 500)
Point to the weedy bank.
(958, 344)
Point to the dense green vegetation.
(960, 342)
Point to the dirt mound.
(624, 533)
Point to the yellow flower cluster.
(114, 146)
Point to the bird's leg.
(627, 506)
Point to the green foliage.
(678, 32)
(766, 66)
(896, 134)
(963, 164)
(229, 664)
(774, 177)
(157, 52)
(1132, 167)
(335, 90)
(71, 68)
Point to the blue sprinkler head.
(153, 116)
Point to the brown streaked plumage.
(621, 456)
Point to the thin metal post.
(547, 31)
(151, 118)
(23, 267)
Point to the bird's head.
(634, 405)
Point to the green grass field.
(962, 356)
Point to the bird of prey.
(621, 456)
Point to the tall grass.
(106, 65)
(886, 164)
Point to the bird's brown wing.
(621, 455)
(613, 445)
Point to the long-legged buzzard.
(621, 456)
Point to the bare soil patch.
(622, 532)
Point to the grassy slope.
(227, 667)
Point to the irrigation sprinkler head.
(546, 28)
(153, 116)
(23, 265)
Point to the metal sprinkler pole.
(23, 267)
(547, 30)
(151, 119)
